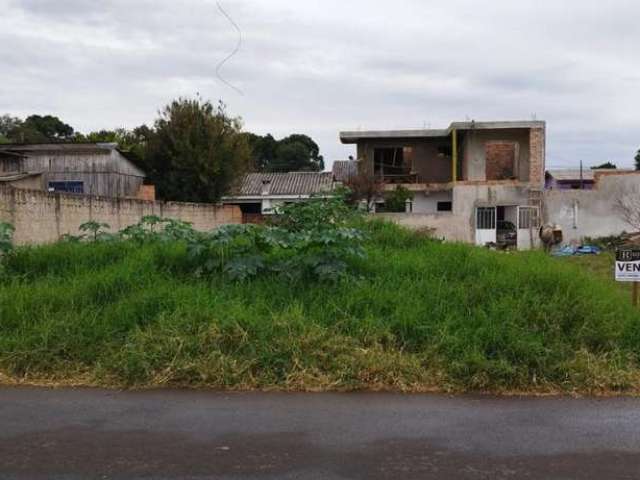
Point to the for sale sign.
(628, 265)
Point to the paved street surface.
(79, 434)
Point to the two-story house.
(479, 182)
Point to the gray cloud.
(318, 67)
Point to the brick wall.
(537, 156)
(147, 192)
(42, 217)
(500, 160)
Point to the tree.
(396, 201)
(627, 204)
(606, 165)
(41, 129)
(364, 187)
(7, 124)
(196, 151)
(637, 158)
(131, 142)
(263, 150)
(295, 153)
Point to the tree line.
(193, 152)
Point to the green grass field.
(418, 315)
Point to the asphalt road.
(80, 434)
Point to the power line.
(235, 50)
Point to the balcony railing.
(400, 178)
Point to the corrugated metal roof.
(84, 148)
(571, 174)
(343, 170)
(13, 176)
(291, 183)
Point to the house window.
(444, 206)
(67, 187)
(528, 218)
(389, 162)
(445, 150)
(486, 218)
(380, 207)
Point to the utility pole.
(581, 178)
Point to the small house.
(260, 194)
(77, 168)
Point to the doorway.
(485, 225)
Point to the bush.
(396, 201)
(154, 228)
(6, 238)
(308, 240)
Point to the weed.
(419, 314)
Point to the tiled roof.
(343, 170)
(291, 183)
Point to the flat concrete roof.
(354, 136)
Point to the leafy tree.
(196, 151)
(364, 186)
(131, 142)
(295, 153)
(606, 165)
(637, 158)
(40, 129)
(397, 200)
(7, 124)
(263, 150)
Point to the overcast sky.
(318, 67)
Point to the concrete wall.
(459, 225)
(430, 166)
(580, 213)
(474, 163)
(427, 202)
(444, 225)
(591, 213)
(467, 197)
(41, 217)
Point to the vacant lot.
(414, 315)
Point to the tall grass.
(420, 315)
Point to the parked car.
(506, 234)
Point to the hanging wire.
(235, 50)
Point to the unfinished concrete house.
(478, 182)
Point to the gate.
(485, 225)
